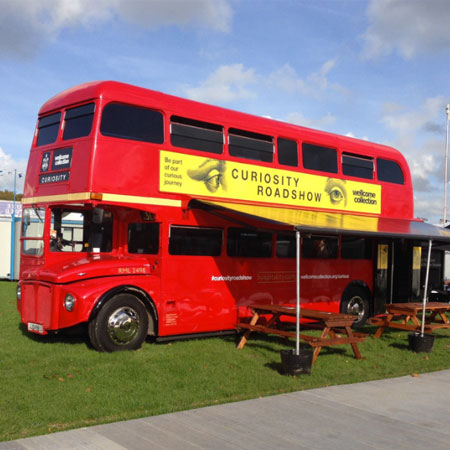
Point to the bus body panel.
(42, 303)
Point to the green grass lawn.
(54, 383)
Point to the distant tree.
(9, 195)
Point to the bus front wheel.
(355, 302)
(121, 324)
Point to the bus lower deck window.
(195, 241)
(286, 245)
(249, 243)
(143, 238)
(75, 230)
(356, 248)
(320, 247)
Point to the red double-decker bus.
(148, 214)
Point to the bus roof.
(118, 91)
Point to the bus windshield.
(74, 230)
(33, 231)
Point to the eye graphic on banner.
(337, 191)
(212, 173)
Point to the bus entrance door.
(405, 278)
(397, 273)
(382, 282)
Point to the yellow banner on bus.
(214, 178)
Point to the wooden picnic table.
(336, 328)
(400, 316)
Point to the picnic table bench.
(400, 316)
(336, 328)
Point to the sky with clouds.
(373, 69)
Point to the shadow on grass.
(400, 346)
(73, 335)
(277, 367)
(77, 334)
(265, 342)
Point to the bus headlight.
(69, 302)
(19, 292)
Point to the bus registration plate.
(35, 327)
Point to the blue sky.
(373, 69)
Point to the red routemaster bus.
(141, 217)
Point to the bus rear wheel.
(355, 302)
(121, 324)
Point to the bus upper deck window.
(132, 122)
(357, 166)
(249, 145)
(316, 157)
(287, 152)
(78, 121)
(389, 171)
(196, 135)
(48, 128)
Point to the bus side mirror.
(97, 215)
(26, 220)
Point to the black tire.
(355, 301)
(121, 324)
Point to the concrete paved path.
(401, 413)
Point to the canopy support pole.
(425, 291)
(297, 315)
(392, 272)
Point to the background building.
(9, 251)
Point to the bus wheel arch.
(356, 300)
(122, 319)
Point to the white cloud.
(7, 167)
(226, 84)
(319, 124)
(352, 135)
(422, 141)
(407, 26)
(231, 82)
(412, 130)
(26, 24)
(287, 79)
(422, 167)
(429, 207)
(409, 124)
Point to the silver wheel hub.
(123, 325)
(356, 307)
